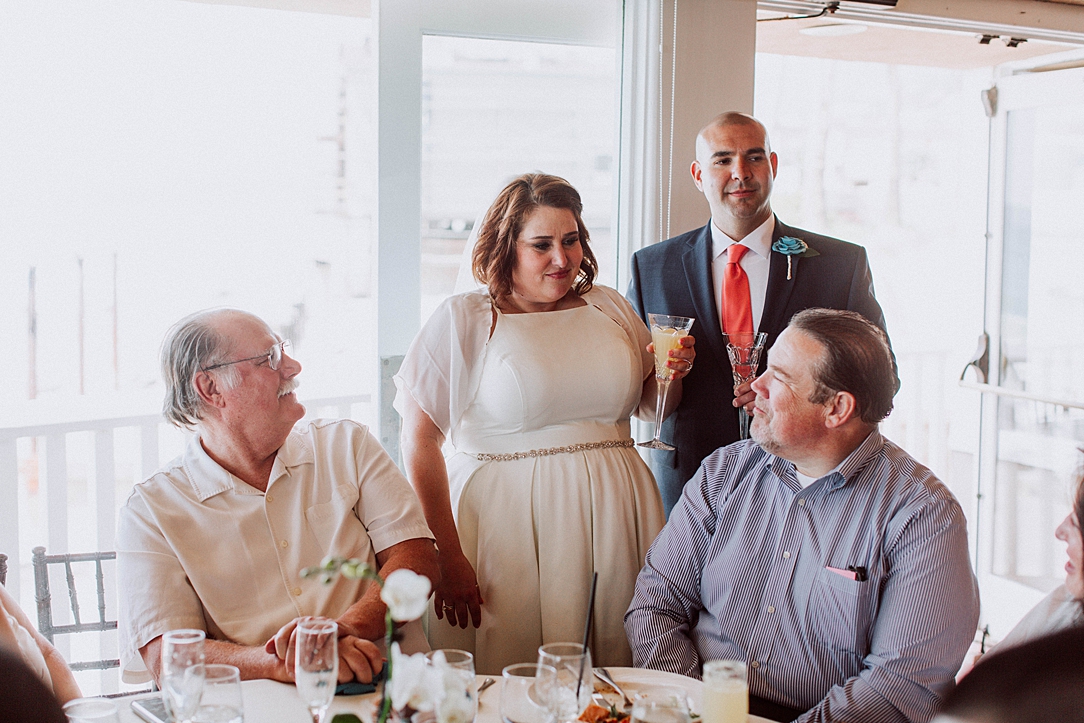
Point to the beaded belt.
(608, 444)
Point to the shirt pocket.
(839, 613)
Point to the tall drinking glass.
(221, 699)
(568, 691)
(726, 692)
(182, 673)
(316, 670)
(460, 702)
(666, 334)
(523, 699)
(744, 350)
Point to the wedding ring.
(449, 608)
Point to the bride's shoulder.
(604, 295)
(467, 304)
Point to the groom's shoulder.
(677, 244)
(824, 244)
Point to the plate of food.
(636, 681)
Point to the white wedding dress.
(536, 528)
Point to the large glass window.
(492, 110)
(893, 157)
(1042, 340)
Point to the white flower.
(413, 681)
(457, 704)
(406, 594)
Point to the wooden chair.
(44, 601)
(3, 569)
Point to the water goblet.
(316, 669)
(182, 672)
(522, 696)
(460, 702)
(568, 691)
(744, 350)
(221, 699)
(666, 334)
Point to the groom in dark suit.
(760, 286)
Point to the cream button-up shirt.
(199, 548)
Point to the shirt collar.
(209, 478)
(759, 240)
(844, 472)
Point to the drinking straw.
(587, 632)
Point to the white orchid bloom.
(414, 682)
(406, 593)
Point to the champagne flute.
(316, 671)
(666, 334)
(744, 349)
(182, 672)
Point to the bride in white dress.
(533, 381)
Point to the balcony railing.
(64, 474)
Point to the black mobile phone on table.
(151, 709)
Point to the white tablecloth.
(269, 702)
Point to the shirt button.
(771, 608)
(786, 555)
(269, 498)
(284, 544)
(801, 502)
(755, 664)
(297, 592)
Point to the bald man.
(684, 276)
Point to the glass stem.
(660, 408)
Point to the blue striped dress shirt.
(742, 571)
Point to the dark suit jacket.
(674, 277)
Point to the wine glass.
(221, 699)
(522, 700)
(568, 691)
(460, 702)
(744, 349)
(182, 672)
(316, 671)
(666, 334)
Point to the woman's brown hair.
(494, 256)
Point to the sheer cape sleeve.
(444, 362)
(617, 307)
(442, 368)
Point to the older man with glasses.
(216, 540)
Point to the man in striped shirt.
(819, 553)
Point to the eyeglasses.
(272, 355)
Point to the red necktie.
(737, 310)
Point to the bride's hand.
(457, 597)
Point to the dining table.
(267, 701)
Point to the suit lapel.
(777, 297)
(697, 262)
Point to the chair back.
(45, 603)
(3, 569)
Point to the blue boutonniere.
(790, 246)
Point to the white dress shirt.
(199, 548)
(755, 262)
